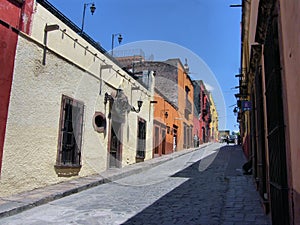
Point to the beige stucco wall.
(71, 69)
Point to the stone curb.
(18, 203)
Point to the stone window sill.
(67, 171)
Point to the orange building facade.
(166, 129)
(174, 91)
(185, 105)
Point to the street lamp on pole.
(92, 8)
(120, 38)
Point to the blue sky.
(208, 28)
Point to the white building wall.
(71, 69)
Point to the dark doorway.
(203, 135)
(163, 143)
(141, 140)
(115, 148)
(156, 141)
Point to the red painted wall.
(8, 41)
(12, 15)
(203, 120)
(26, 16)
(17, 15)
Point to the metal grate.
(276, 136)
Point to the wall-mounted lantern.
(108, 97)
(235, 110)
(140, 103)
(166, 115)
(120, 102)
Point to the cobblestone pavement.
(205, 187)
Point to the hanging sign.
(246, 105)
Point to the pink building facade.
(270, 81)
(202, 113)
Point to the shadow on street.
(199, 200)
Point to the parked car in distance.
(232, 139)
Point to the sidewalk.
(20, 202)
(242, 203)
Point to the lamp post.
(92, 8)
(120, 38)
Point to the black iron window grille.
(70, 135)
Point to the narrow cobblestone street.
(206, 187)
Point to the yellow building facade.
(214, 129)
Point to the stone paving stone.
(182, 190)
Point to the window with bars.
(70, 137)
